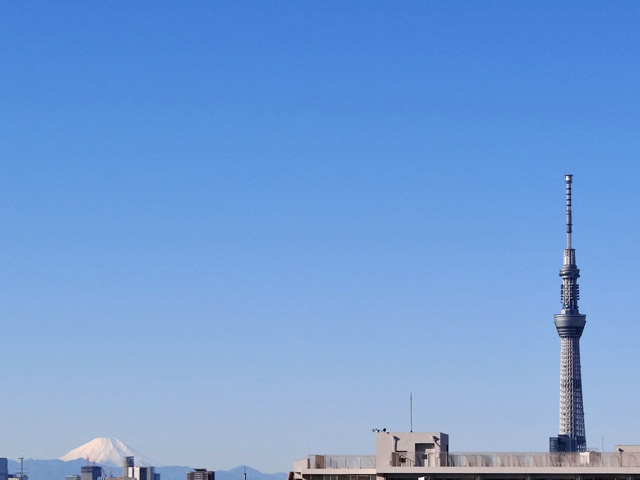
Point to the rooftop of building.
(419, 454)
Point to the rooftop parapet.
(630, 459)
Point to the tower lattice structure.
(570, 324)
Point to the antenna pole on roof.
(411, 411)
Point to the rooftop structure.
(426, 456)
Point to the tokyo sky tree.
(569, 324)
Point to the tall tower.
(569, 324)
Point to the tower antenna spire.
(568, 180)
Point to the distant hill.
(238, 474)
(109, 453)
(58, 470)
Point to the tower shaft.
(569, 325)
(571, 411)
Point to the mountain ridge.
(57, 469)
(109, 453)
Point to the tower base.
(565, 443)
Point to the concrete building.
(426, 456)
(73, 477)
(201, 474)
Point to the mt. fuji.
(107, 451)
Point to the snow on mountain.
(109, 451)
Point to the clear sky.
(243, 232)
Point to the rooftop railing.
(520, 460)
(342, 461)
(480, 460)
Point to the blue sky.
(243, 232)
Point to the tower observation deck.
(570, 324)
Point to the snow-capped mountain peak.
(108, 451)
